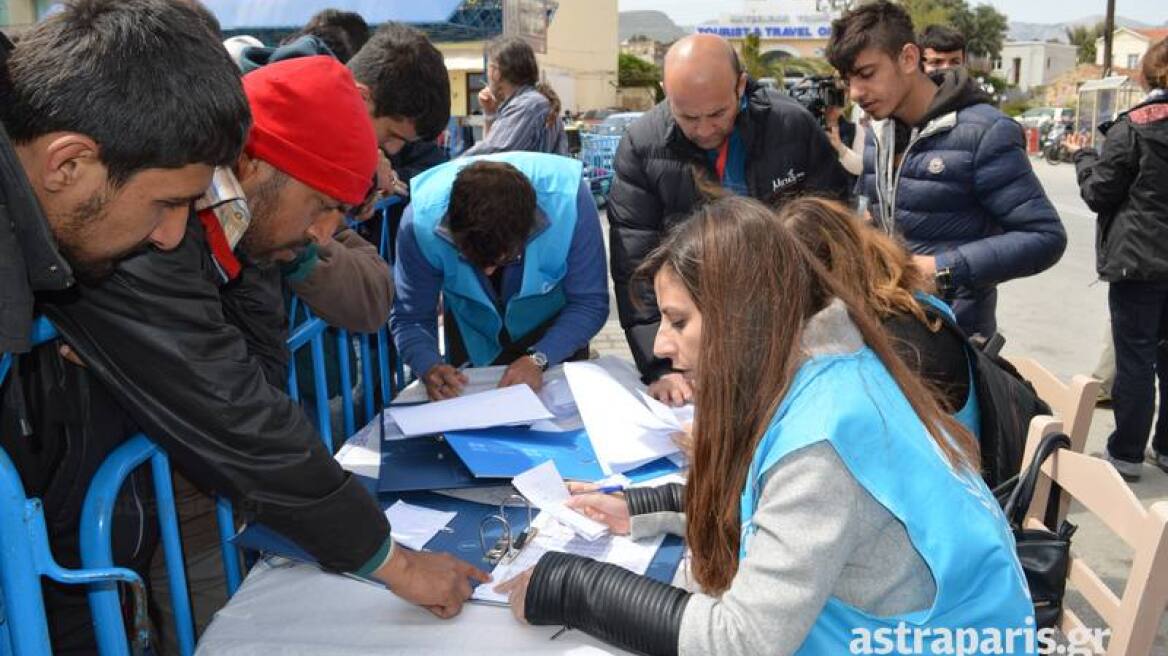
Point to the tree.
(1083, 38)
(984, 27)
(752, 58)
(632, 71)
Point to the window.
(475, 82)
(1048, 63)
(1133, 61)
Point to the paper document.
(554, 536)
(626, 430)
(543, 486)
(508, 406)
(414, 526)
(479, 379)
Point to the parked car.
(595, 117)
(1042, 117)
(616, 124)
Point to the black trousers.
(1139, 328)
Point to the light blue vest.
(952, 519)
(545, 260)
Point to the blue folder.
(461, 541)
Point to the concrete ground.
(1060, 319)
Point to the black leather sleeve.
(606, 601)
(663, 498)
(156, 335)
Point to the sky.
(1155, 12)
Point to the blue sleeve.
(1030, 236)
(414, 319)
(585, 285)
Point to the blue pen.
(606, 489)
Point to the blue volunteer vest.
(952, 519)
(545, 260)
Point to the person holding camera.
(716, 127)
(944, 168)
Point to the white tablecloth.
(299, 609)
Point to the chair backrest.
(1134, 616)
(1072, 404)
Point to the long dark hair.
(756, 285)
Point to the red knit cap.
(311, 123)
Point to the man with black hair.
(403, 79)
(344, 32)
(513, 243)
(716, 128)
(521, 113)
(943, 168)
(95, 172)
(943, 48)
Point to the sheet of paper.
(414, 526)
(543, 486)
(625, 431)
(554, 536)
(508, 406)
(361, 454)
(479, 379)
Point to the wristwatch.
(944, 280)
(538, 358)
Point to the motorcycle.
(1054, 148)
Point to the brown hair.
(554, 104)
(515, 60)
(755, 286)
(1155, 66)
(873, 266)
(491, 212)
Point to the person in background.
(716, 128)
(944, 168)
(344, 32)
(847, 138)
(802, 526)
(1125, 185)
(513, 244)
(942, 48)
(519, 116)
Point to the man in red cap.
(198, 361)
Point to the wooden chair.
(1073, 405)
(1133, 617)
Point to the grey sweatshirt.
(820, 534)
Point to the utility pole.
(1108, 34)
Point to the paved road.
(1060, 319)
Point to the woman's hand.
(516, 591)
(609, 509)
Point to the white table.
(298, 609)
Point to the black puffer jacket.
(787, 154)
(1127, 185)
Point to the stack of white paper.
(627, 429)
(414, 526)
(507, 406)
(543, 486)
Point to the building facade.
(785, 28)
(1029, 64)
(1128, 46)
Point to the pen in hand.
(606, 489)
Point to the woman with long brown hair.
(830, 499)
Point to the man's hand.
(69, 354)
(488, 101)
(516, 591)
(672, 389)
(523, 371)
(927, 264)
(443, 382)
(437, 582)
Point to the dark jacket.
(654, 189)
(1127, 185)
(178, 354)
(964, 192)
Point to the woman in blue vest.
(513, 243)
(832, 506)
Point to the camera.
(818, 92)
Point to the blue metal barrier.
(311, 332)
(97, 543)
(25, 556)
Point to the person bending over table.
(513, 243)
(806, 535)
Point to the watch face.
(540, 359)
